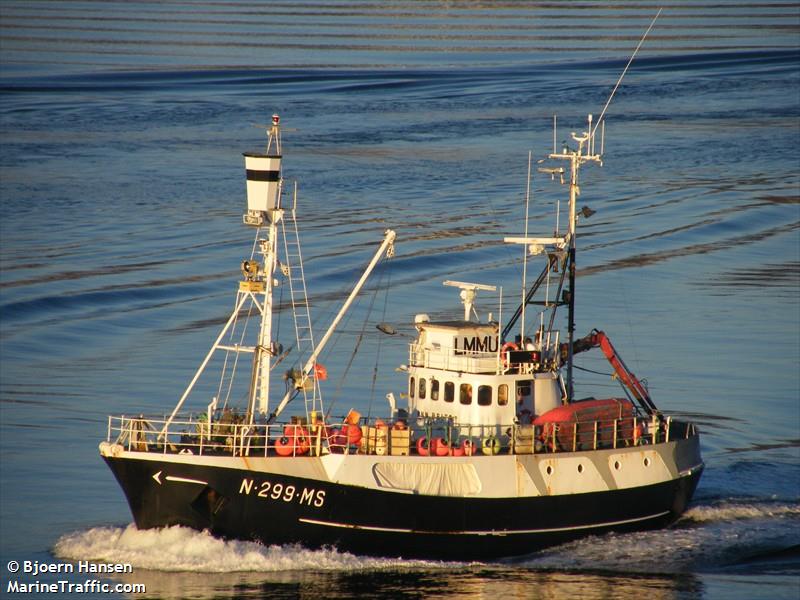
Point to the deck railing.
(231, 436)
(446, 358)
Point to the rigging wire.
(386, 289)
(354, 352)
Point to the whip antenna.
(625, 70)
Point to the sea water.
(121, 193)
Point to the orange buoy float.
(284, 446)
(302, 441)
(439, 447)
(353, 433)
(422, 446)
(295, 440)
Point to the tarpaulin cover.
(433, 479)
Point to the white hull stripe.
(492, 533)
(690, 470)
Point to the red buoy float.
(353, 433)
(284, 446)
(439, 447)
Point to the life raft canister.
(467, 447)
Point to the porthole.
(580, 468)
(646, 462)
(549, 470)
(616, 465)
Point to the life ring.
(284, 446)
(422, 446)
(439, 447)
(490, 445)
(507, 347)
(467, 447)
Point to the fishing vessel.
(486, 453)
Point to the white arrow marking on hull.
(157, 477)
(185, 480)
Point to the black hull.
(280, 509)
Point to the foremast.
(264, 188)
(266, 214)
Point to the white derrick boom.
(387, 247)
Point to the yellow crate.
(374, 440)
(399, 442)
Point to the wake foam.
(729, 511)
(182, 549)
(709, 537)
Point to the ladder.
(295, 274)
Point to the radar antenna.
(468, 293)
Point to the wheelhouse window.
(434, 389)
(484, 395)
(421, 388)
(502, 394)
(465, 393)
(411, 388)
(449, 391)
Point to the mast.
(264, 186)
(584, 153)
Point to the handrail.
(230, 435)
